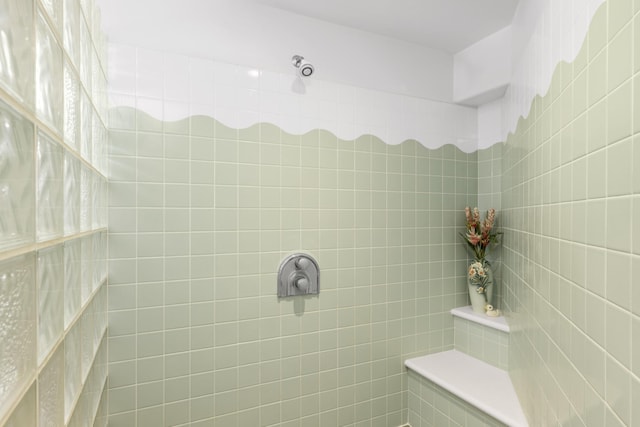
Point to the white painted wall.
(543, 33)
(250, 34)
(489, 123)
(482, 71)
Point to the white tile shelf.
(482, 385)
(499, 323)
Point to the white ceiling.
(449, 25)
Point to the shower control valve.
(298, 274)
(302, 283)
(302, 263)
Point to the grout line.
(83, 383)
(33, 247)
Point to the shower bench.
(476, 392)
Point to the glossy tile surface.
(200, 217)
(569, 258)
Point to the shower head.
(304, 68)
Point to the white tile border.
(556, 35)
(171, 87)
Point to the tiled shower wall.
(201, 215)
(571, 257)
(53, 240)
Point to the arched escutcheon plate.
(298, 274)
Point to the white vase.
(480, 300)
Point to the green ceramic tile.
(596, 174)
(636, 46)
(269, 133)
(620, 12)
(620, 168)
(151, 416)
(149, 394)
(619, 384)
(598, 77)
(146, 123)
(636, 103)
(580, 139)
(321, 138)
(635, 345)
(251, 133)
(598, 32)
(224, 132)
(202, 126)
(619, 282)
(636, 228)
(620, 62)
(619, 120)
(579, 93)
(179, 127)
(618, 220)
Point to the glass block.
(71, 194)
(101, 315)
(54, 10)
(99, 249)
(101, 102)
(49, 76)
(71, 107)
(16, 54)
(87, 9)
(104, 307)
(25, 413)
(99, 143)
(96, 15)
(72, 368)
(86, 277)
(86, 327)
(86, 130)
(18, 327)
(72, 266)
(51, 391)
(101, 415)
(96, 75)
(95, 201)
(86, 198)
(50, 281)
(17, 201)
(103, 258)
(98, 378)
(102, 209)
(72, 19)
(49, 197)
(78, 418)
(86, 50)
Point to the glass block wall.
(53, 311)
